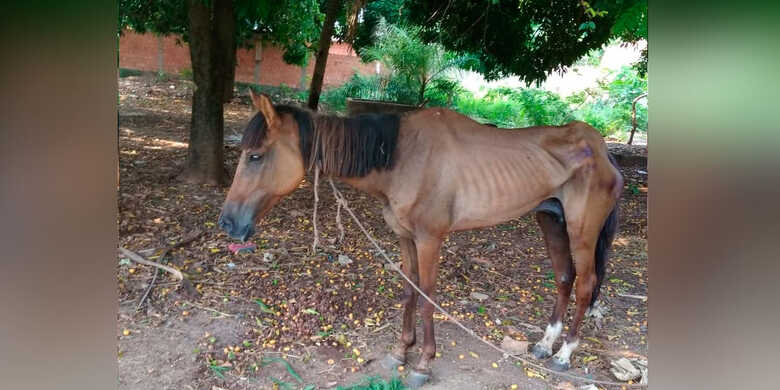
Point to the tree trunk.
(210, 51)
(421, 94)
(322, 53)
(633, 116)
(225, 30)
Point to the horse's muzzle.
(237, 223)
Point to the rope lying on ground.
(342, 202)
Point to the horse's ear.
(263, 104)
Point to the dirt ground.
(284, 318)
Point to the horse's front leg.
(409, 267)
(428, 265)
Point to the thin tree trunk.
(205, 151)
(633, 116)
(322, 53)
(225, 30)
(421, 94)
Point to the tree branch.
(138, 259)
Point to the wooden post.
(633, 117)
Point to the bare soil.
(330, 322)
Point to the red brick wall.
(141, 51)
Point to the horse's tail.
(604, 242)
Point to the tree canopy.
(526, 38)
(291, 24)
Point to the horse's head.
(270, 167)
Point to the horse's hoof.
(417, 379)
(556, 365)
(391, 362)
(539, 352)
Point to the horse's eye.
(255, 157)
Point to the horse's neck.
(372, 184)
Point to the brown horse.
(436, 171)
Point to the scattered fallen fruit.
(531, 373)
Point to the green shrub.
(186, 73)
(489, 109)
(507, 107)
(415, 65)
(358, 86)
(372, 87)
(124, 72)
(592, 58)
(606, 107)
(443, 92)
(281, 94)
(610, 110)
(540, 107)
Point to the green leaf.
(270, 360)
(589, 26)
(263, 307)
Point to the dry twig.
(138, 259)
(163, 255)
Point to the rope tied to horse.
(341, 202)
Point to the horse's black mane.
(341, 146)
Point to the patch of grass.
(124, 72)
(280, 384)
(281, 94)
(186, 73)
(270, 360)
(376, 383)
(163, 77)
(263, 307)
(217, 369)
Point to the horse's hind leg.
(409, 267)
(585, 217)
(557, 240)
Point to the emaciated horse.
(435, 172)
